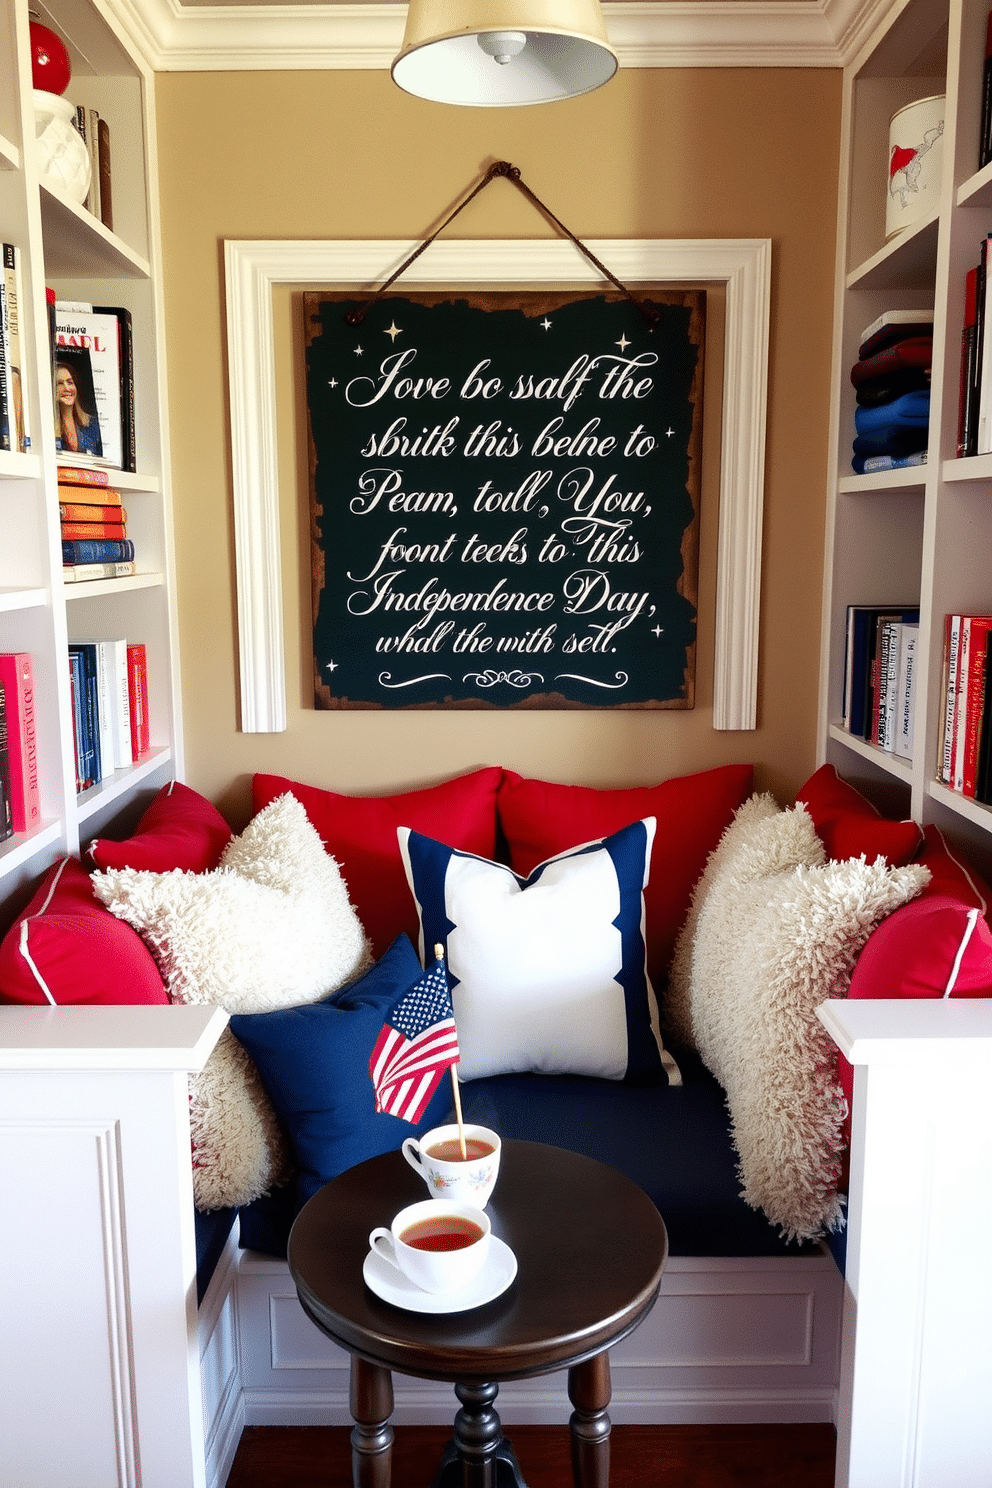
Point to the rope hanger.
(503, 168)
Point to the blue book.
(91, 707)
(98, 550)
(83, 781)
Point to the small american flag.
(417, 1044)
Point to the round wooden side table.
(590, 1248)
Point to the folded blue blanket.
(911, 411)
(892, 442)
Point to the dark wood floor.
(640, 1456)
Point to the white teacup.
(450, 1176)
(456, 1237)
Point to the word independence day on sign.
(505, 500)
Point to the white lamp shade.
(565, 52)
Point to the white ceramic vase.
(63, 159)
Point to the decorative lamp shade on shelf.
(495, 55)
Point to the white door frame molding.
(254, 268)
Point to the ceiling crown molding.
(645, 33)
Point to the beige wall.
(657, 153)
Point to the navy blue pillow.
(314, 1064)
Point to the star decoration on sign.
(545, 324)
(392, 331)
(332, 666)
(623, 343)
(669, 432)
(358, 351)
(332, 382)
(657, 630)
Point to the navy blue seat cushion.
(673, 1141)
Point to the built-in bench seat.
(200, 1308)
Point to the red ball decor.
(51, 68)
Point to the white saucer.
(392, 1286)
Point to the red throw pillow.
(180, 829)
(360, 833)
(936, 946)
(66, 948)
(950, 875)
(540, 819)
(849, 826)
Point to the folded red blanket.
(916, 351)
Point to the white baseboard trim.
(223, 1439)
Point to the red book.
(137, 691)
(80, 531)
(972, 694)
(80, 511)
(17, 676)
(83, 475)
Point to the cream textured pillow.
(239, 1149)
(271, 927)
(771, 939)
(761, 839)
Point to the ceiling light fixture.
(501, 53)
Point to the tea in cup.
(437, 1157)
(438, 1245)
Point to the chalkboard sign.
(504, 499)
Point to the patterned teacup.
(436, 1156)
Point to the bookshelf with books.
(47, 602)
(913, 534)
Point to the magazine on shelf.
(88, 343)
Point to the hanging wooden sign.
(504, 499)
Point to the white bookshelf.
(923, 534)
(66, 248)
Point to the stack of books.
(963, 764)
(95, 544)
(880, 675)
(109, 682)
(892, 382)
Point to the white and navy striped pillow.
(547, 972)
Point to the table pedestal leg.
(589, 1392)
(478, 1455)
(372, 1436)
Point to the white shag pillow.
(761, 839)
(271, 927)
(773, 936)
(240, 1150)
